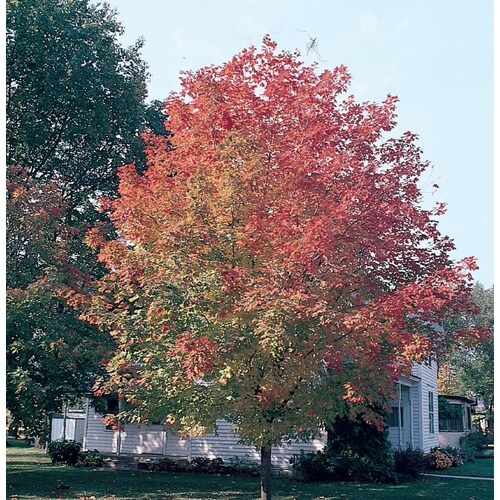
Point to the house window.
(453, 420)
(394, 417)
(451, 425)
(431, 412)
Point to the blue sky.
(437, 56)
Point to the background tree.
(468, 370)
(75, 110)
(276, 262)
(52, 356)
(75, 97)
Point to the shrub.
(206, 465)
(325, 466)
(201, 465)
(90, 459)
(64, 452)
(310, 467)
(168, 465)
(355, 451)
(439, 459)
(409, 464)
(242, 467)
(472, 443)
(455, 455)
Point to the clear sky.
(437, 56)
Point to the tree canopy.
(275, 263)
(467, 369)
(75, 96)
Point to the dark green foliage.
(64, 452)
(473, 442)
(204, 465)
(356, 451)
(168, 465)
(51, 357)
(90, 458)
(242, 467)
(447, 410)
(75, 111)
(361, 451)
(469, 370)
(312, 467)
(409, 464)
(75, 97)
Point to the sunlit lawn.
(30, 475)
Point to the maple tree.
(274, 266)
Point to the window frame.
(431, 412)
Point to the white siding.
(143, 439)
(97, 436)
(429, 384)
(74, 429)
(416, 407)
(152, 440)
(133, 440)
(226, 444)
(176, 446)
(409, 430)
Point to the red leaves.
(196, 355)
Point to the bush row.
(70, 453)
(235, 466)
(407, 465)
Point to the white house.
(413, 422)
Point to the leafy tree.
(468, 369)
(275, 263)
(75, 97)
(75, 110)
(52, 356)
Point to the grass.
(481, 467)
(30, 475)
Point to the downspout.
(85, 429)
(400, 440)
(165, 442)
(189, 450)
(65, 416)
(119, 436)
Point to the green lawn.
(31, 476)
(481, 467)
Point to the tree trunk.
(265, 473)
